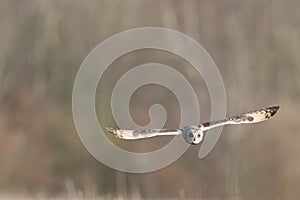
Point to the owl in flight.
(194, 134)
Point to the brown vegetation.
(255, 45)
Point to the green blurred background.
(255, 44)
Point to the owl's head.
(192, 135)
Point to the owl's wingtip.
(111, 130)
(116, 132)
(273, 109)
(276, 106)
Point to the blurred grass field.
(255, 45)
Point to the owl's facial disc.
(192, 135)
(198, 136)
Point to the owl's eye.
(198, 135)
(191, 135)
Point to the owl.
(195, 134)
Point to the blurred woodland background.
(255, 44)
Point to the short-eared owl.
(194, 134)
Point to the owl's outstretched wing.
(244, 118)
(147, 133)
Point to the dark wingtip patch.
(111, 130)
(271, 110)
(274, 109)
(115, 132)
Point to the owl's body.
(195, 134)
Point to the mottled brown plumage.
(194, 134)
